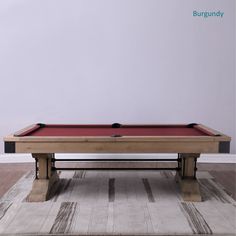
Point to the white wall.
(105, 61)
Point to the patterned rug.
(118, 203)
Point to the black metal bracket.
(47, 169)
(183, 169)
(53, 160)
(179, 160)
(36, 168)
(195, 168)
(9, 147)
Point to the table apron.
(118, 147)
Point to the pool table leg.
(186, 176)
(45, 178)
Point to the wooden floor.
(225, 174)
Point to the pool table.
(187, 140)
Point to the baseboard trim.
(205, 158)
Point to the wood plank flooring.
(10, 173)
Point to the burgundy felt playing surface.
(107, 130)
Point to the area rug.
(118, 203)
